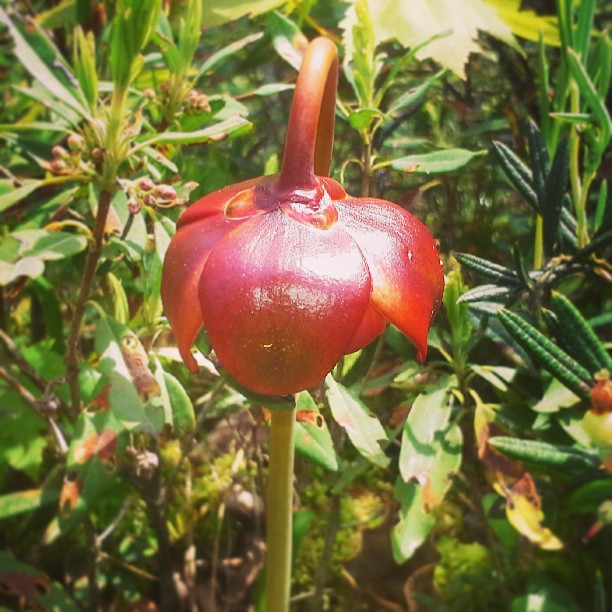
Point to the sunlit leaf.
(447, 160)
(363, 429)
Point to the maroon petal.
(281, 301)
(183, 264)
(372, 325)
(407, 276)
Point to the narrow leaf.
(550, 356)
(488, 268)
(555, 455)
(580, 339)
(556, 186)
(447, 160)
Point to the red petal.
(183, 264)
(281, 301)
(407, 276)
(372, 325)
(214, 203)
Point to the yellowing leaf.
(527, 24)
(527, 518)
(412, 22)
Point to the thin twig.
(29, 399)
(27, 370)
(125, 508)
(72, 343)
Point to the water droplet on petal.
(410, 255)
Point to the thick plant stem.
(280, 511)
(310, 134)
(72, 343)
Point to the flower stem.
(280, 511)
(310, 133)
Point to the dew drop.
(410, 255)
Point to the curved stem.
(280, 511)
(310, 134)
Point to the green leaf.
(555, 398)
(21, 502)
(518, 173)
(233, 126)
(415, 96)
(124, 362)
(555, 455)
(362, 119)
(52, 313)
(587, 498)
(544, 595)
(363, 429)
(579, 338)
(554, 190)
(361, 65)
(550, 356)
(592, 97)
(447, 160)
(312, 437)
(44, 62)
(121, 308)
(182, 416)
(36, 247)
(423, 434)
(488, 268)
(13, 196)
(91, 467)
(287, 39)
(216, 13)
(131, 29)
(457, 312)
(220, 56)
(61, 15)
(418, 500)
(539, 162)
(486, 293)
(414, 524)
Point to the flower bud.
(134, 206)
(146, 184)
(75, 142)
(165, 192)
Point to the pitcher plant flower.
(288, 273)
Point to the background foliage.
(477, 481)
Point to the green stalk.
(576, 186)
(280, 511)
(538, 248)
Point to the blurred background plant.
(479, 480)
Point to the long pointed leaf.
(556, 186)
(582, 342)
(550, 356)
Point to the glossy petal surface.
(214, 203)
(183, 265)
(281, 301)
(407, 276)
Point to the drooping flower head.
(288, 273)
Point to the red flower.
(288, 273)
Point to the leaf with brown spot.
(511, 480)
(312, 438)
